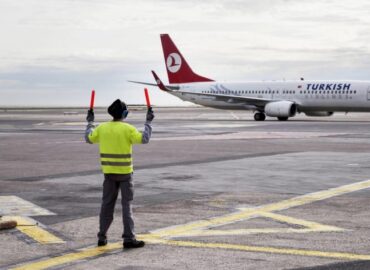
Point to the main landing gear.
(259, 116)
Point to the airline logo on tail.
(178, 70)
(173, 62)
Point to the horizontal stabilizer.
(158, 83)
(145, 83)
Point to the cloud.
(62, 48)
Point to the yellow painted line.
(309, 226)
(96, 251)
(30, 227)
(272, 250)
(204, 233)
(157, 236)
(301, 222)
(70, 257)
(247, 213)
(316, 196)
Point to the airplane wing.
(224, 97)
(258, 102)
(232, 98)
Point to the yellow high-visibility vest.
(115, 141)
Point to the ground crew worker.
(115, 141)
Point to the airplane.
(280, 99)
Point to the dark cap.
(117, 108)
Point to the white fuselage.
(310, 96)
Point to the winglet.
(159, 82)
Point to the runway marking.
(309, 226)
(234, 116)
(212, 125)
(247, 213)
(163, 236)
(93, 252)
(247, 135)
(71, 257)
(69, 124)
(20, 210)
(261, 249)
(33, 229)
(50, 142)
(15, 206)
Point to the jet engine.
(283, 109)
(319, 113)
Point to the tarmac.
(213, 190)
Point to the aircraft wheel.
(282, 118)
(259, 116)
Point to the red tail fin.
(178, 70)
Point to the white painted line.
(244, 135)
(15, 206)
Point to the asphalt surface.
(204, 171)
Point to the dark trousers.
(112, 184)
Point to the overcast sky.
(52, 52)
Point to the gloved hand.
(149, 115)
(90, 116)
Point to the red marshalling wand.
(92, 99)
(147, 98)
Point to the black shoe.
(102, 242)
(134, 244)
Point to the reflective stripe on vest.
(116, 163)
(115, 155)
(111, 163)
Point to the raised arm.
(148, 128)
(90, 125)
